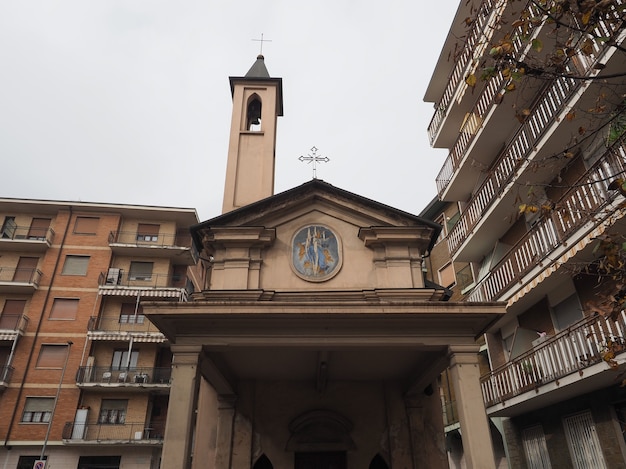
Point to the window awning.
(146, 337)
(151, 293)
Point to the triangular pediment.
(316, 192)
(316, 236)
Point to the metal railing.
(182, 240)
(26, 233)
(580, 346)
(122, 323)
(136, 432)
(13, 275)
(143, 280)
(130, 376)
(585, 202)
(13, 322)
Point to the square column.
(181, 407)
(465, 374)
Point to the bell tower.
(257, 103)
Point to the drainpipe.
(32, 350)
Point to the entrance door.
(325, 460)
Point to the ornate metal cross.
(314, 158)
(262, 41)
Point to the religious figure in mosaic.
(315, 252)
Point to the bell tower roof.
(258, 69)
(258, 72)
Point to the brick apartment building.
(73, 276)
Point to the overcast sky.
(129, 101)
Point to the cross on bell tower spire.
(262, 41)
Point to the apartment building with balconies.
(84, 376)
(534, 205)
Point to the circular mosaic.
(316, 253)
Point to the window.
(75, 265)
(64, 308)
(11, 314)
(441, 219)
(98, 462)
(567, 312)
(39, 228)
(146, 232)
(140, 270)
(120, 360)
(28, 462)
(128, 314)
(446, 275)
(86, 225)
(38, 409)
(25, 270)
(52, 356)
(583, 442)
(8, 228)
(535, 448)
(113, 411)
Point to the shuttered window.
(52, 356)
(131, 313)
(11, 313)
(86, 225)
(140, 270)
(38, 409)
(446, 276)
(148, 232)
(535, 448)
(64, 308)
(75, 265)
(38, 228)
(25, 270)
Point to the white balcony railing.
(580, 346)
(477, 35)
(552, 101)
(584, 203)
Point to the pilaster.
(225, 427)
(465, 374)
(181, 407)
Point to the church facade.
(316, 342)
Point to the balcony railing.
(139, 239)
(31, 277)
(26, 234)
(126, 377)
(585, 202)
(552, 102)
(14, 323)
(6, 372)
(580, 346)
(125, 433)
(123, 323)
(154, 285)
(179, 245)
(477, 35)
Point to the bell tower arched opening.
(253, 113)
